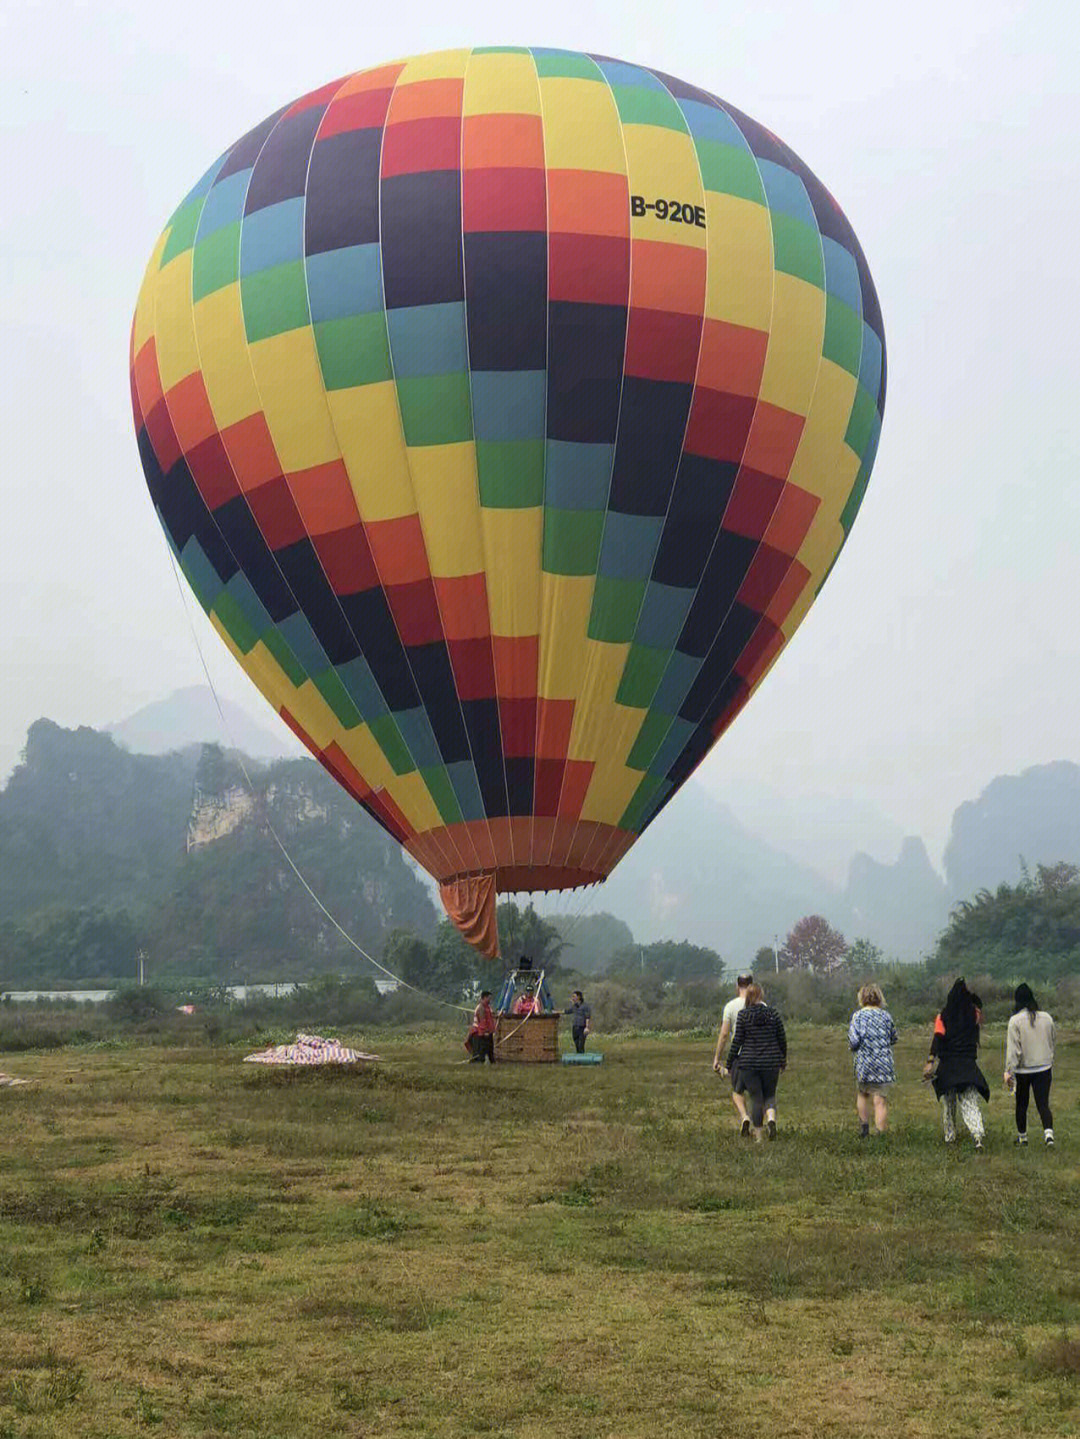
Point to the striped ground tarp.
(310, 1049)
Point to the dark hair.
(1024, 999)
(579, 995)
(744, 980)
(485, 994)
(958, 1013)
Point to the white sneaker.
(1049, 1137)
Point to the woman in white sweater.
(1029, 1061)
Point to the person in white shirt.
(1029, 1061)
(727, 1026)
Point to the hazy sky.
(945, 648)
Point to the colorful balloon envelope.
(506, 410)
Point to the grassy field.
(189, 1246)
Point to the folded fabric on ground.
(8, 1081)
(310, 1049)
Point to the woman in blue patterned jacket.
(872, 1035)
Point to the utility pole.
(142, 972)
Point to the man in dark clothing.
(759, 1047)
(580, 1020)
(483, 1030)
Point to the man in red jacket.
(483, 1030)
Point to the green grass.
(193, 1247)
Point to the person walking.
(759, 1054)
(483, 1030)
(580, 1020)
(952, 1064)
(871, 1035)
(727, 1025)
(1029, 1061)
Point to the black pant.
(483, 1048)
(1039, 1086)
(759, 1086)
(579, 1040)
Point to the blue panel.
(300, 637)
(675, 684)
(663, 614)
(629, 545)
(842, 274)
(709, 122)
(787, 193)
(616, 72)
(509, 404)
(202, 186)
(671, 746)
(360, 684)
(417, 733)
(272, 236)
(344, 282)
(427, 340)
(870, 364)
(577, 476)
(224, 204)
(251, 607)
(466, 789)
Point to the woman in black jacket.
(954, 1049)
(757, 1055)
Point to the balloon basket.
(583, 1059)
(534, 1040)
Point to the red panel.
(495, 141)
(398, 548)
(346, 557)
(322, 96)
(275, 514)
(730, 711)
(548, 786)
(251, 451)
(774, 439)
(212, 472)
(346, 770)
(415, 611)
(324, 497)
(147, 377)
(668, 277)
(162, 436)
(418, 147)
(555, 719)
(763, 578)
(752, 503)
(464, 606)
(474, 672)
(517, 720)
(189, 407)
(792, 586)
(382, 78)
(662, 346)
(363, 111)
(579, 772)
(588, 202)
(793, 518)
(732, 358)
(516, 661)
(505, 199)
(589, 269)
(421, 99)
(764, 644)
(719, 425)
(300, 732)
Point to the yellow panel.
(442, 65)
(814, 466)
(177, 352)
(501, 84)
(367, 422)
(595, 711)
(581, 127)
(610, 790)
(143, 326)
(514, 539)
(663, 164)
(413, 798)
(825, 533)
(566, 604)
(795, 336)
(290, 385)
(444, 481)
(219, 329)
(740, 279)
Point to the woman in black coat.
(757, 1055)
(954, 1051)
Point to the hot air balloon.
(505, 410)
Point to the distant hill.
(1030, 818)
(191, 717)
(904, 906)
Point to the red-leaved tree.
(813, 944)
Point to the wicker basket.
(527, 1041)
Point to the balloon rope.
(404, 983)
(530, 1014)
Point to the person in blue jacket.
(871, 1035)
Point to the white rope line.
(530, 1014)
(404, 983)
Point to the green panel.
(274, 300)
(565, 64)
(442, 792)
(572, 541)
(644, 668)
(843, 335)
(635, 810)
(286, 659)
(501, 50)
(638, 105)
(855, 499)
(797, 249)
(182, 231)
(511, 473)
(337, 697)
(729, 170)
(861, 424)
(216, 261)
(237, 625)
(353, 351)
(388, 738)
(615, 608)
(649, 739)
(436, 409)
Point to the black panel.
(506, 291)
(342, 206)
(652, 425)
(281, 169)
(421, 239)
